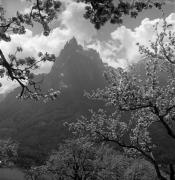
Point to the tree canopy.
(101, 11)
(142, 98)
(83, 160)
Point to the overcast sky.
(116, 44)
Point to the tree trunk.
(171, 167)
(159, 175)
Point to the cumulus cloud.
(72, 24)
(31, 46)
(72, 18)
(121, 50)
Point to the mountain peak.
(72, 44)
(73, 41)
(78, 68)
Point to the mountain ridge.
(38, 126)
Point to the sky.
(115, 44)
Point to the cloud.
(121, 50)
(72, 18)
(32, 45)
(72, 24)
(172, 2)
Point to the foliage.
(19, 69)
(8, 152)
(101, 11)
(80, 159)
(140, 170)
(145, 100)
(35, 173)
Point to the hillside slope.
(38, 126)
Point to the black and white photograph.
(87, 89)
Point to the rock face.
(39, 126)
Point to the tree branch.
(147, 156)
